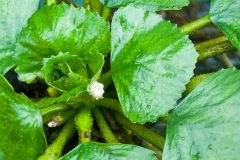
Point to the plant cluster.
(78, 51)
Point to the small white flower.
(96, 89)
(53, 124)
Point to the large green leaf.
(104, 151)
(59, 28)
(21, 130)
(205, 125)
(153, 5)
(151, 62)
(14, 15)
(225, 15)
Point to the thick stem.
(96, 6)
(215, 50)
(112, 104)
(195, 25)
(141, 131)
(103, 126)
(110, 118)
(211, 42)
(226, 61)
(54, 150)
(84, 121)
(106, 13)
(49, 2)
(194, 82)
(54, 108)
(153, 148)
(86, 4)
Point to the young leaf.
(153, 5)
(14, 15)
(205, 125)
(65, 71)
(22, 135)
(151, 62)
(70, 97)
(59, 28)
(101, 151)
(225, 15)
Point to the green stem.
(49, 2)
(84, 121)
(215, 50)
(195, 25)
(54, 108)
(141, 131)
(226, 61)
(110, 119)
(86, 4)
(211, 42)
(106, 13)
(112, 104)
(194, 82)
(153, 148)
(55, 149)
(96, 6)
(103, 126)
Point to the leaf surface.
(65, 71)
(151, 62)
(60, 28)
(14, 15)
(225, 15)
(104, 151)
(21, 130)
(205, 125)
(152, 5)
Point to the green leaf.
(205, 125)
(106, 151)
(72, 97)
(65, 71)
(21, 130)
(225, 15)
(59, 28)
(152, 5)
(14, 15)
(151, 62)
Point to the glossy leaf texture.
(151, 62)
(65, 71)
(152, 5)
(205, 125)
(75, 98)
(60, 28)
(14, 15)
(21, 130)
(225, 15)
(104, 151)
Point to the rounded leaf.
(59, 28)
(21, 130)
(106, 151)
(151, 62)
(205, 125)
(153, 5)
(14, 15)
(225, 15)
